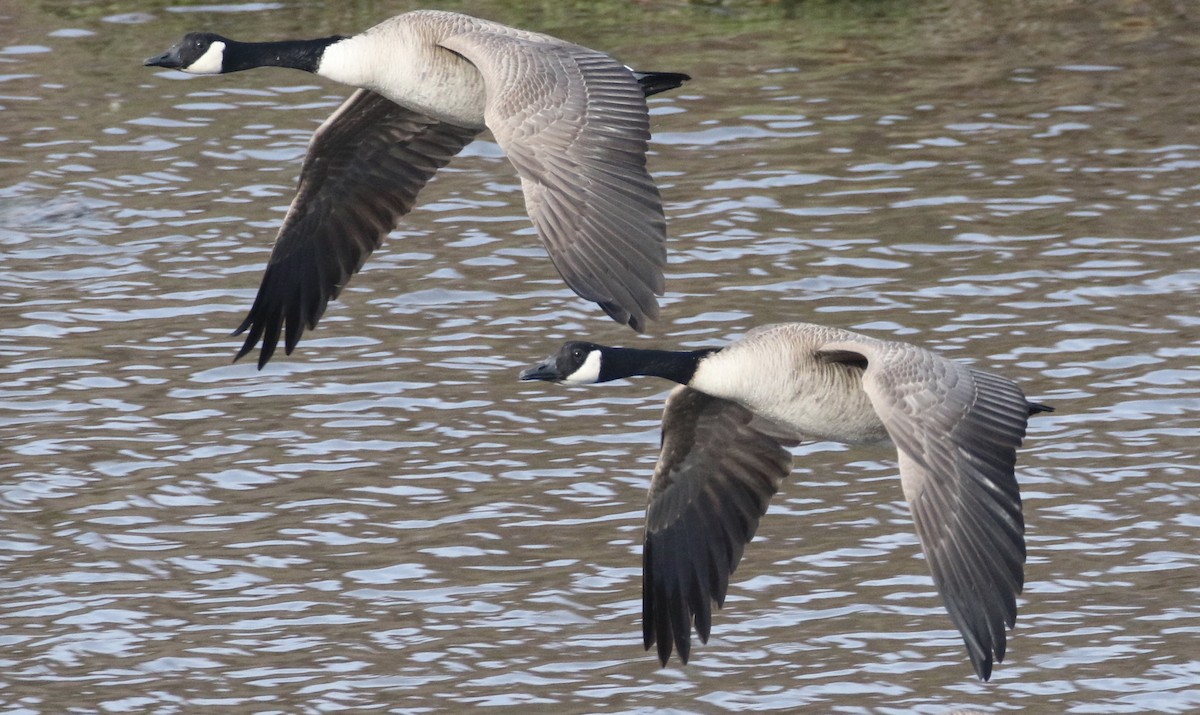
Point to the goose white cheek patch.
(210, 62)
(588, 372)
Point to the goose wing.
(718, 469)
(574, 123)
(957, 431)
(364, 167)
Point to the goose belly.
(788, 385)
(819, 414)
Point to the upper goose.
(724, 436)
(573, 121)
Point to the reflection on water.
(388, 520)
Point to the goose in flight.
(725, 433)
(573, 121)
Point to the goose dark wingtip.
(663, 649)
(683, 646)
(983, 668)
(663, 654)
(266, 352)
(684, 654)
(247, 344)
(637, 322)
(243, 351)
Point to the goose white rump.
(725, 434)
(573, 121)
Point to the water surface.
(387, 520)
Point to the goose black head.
(196, 53)
(576, 363)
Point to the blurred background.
(388, 521)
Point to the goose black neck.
(674, 365)
(297, 54)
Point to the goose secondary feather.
(573, 122)
(725, 433)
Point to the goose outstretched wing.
(957, 431)
(574, 123)
(364, 168)
(718, 469)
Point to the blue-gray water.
(388, 521)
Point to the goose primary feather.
(725, 434)
(573, 122)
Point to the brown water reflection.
(389, 521)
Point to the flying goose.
(573, 121)
(725, 433)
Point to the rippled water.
(388, 521)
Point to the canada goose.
(724, 436)
(573, 121)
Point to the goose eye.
(577, 353)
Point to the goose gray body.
(573, 122)
(725, 434)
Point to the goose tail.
(1036, 407)
(655, 82)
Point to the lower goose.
(725, 433)
(573, 121)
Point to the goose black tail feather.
(655, 82)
